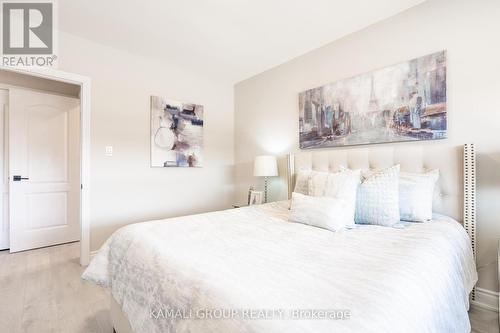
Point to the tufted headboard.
(455, 164)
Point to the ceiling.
(231, 39)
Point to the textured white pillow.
(378, 197)
(323, 212)
(302, 182)
(343, 184)
(416, 193)
(317, 183)
(340, 185)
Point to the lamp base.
(265, 189)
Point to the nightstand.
(239, 205)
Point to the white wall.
(266, 119)
(124, 189)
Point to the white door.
(44, 164)
(4, 170)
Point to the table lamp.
(265, 166)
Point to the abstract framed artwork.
(404, 102)
(176, 133)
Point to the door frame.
(85, 107)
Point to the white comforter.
(412, 279)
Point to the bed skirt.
(118, 318)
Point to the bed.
(250, 270)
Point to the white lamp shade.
(265, 166)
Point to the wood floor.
(483, 321)
(41, 291)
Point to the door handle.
(19, 178)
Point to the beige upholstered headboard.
(450, 197)
(454, 196)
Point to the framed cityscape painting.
(405, 102)
(176, 133)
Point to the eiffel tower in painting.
(409, 104)
(373, 104)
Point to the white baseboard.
(486, 299)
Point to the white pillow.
(343, 184)
(378, 197)
(317, 183)
(302, 182)
(416, 194)
(323, 212)
(340, 185)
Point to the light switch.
(109, 151)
